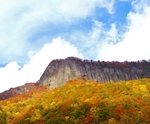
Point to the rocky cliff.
(58, 72)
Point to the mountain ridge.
(59, 71)
(18, 90)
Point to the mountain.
(81, 102)
(59, 71)
(18, 90)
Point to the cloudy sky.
(32, 33)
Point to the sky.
(33, 33)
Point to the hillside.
(18, 90)
(81, 102)
(58, 72)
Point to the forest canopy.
(81, 102)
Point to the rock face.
(58, 72)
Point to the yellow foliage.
(143, 88)
(66, 117)
(82, 102)
(112, 121)
(36, 116)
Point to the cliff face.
(58, 72)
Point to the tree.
(2, 117)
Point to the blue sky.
(32, 33)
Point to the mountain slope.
(58, 72)
(18, 90)
(82, 103)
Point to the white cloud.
(12, 75)
(19, 20)
(135, 44)
(98, 37)
(9, 76)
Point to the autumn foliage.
(80, 102)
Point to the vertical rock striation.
(58, 72)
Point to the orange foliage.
(81, 102)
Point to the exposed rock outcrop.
(58, 72)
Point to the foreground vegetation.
(80, 102)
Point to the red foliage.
(88, 119)
(119, 111)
